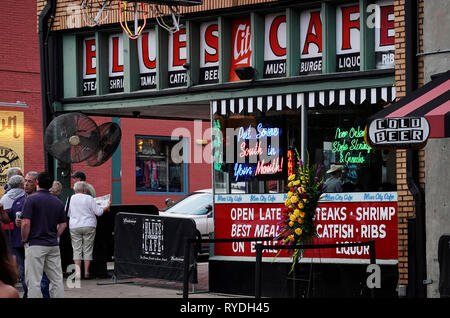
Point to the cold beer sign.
(399, 133)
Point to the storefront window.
(250, 151)
(156, 170)
(336, 136)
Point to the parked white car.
(197, 206)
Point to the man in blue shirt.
(16, 238)
(43, 222)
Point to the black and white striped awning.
(337, 97)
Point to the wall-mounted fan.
(74, 137)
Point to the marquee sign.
(115, 65)
(340, 217)
(310, 42)
(348, 38)
(398, 133)
(275, 45)
(209, 53)
(147, 59)
(177, 57)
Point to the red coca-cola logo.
(241, 46)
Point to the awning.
(334, 97)
(431, 101)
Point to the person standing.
(14, 215)
(8, 270)
(334, 183)
(43, 222)
(83, 210)
(81, 176)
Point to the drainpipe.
(44, 29)
(416, 257)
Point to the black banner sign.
(149, 246)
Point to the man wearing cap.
(334, 183)
(81, 176)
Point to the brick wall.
(20, 76)
(405, 199)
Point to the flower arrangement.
(306, 185)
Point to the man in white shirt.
(83, 212)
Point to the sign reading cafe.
(310, 47)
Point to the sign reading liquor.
(310, 42)
(89, 66)
(340, 217)
(115, 66)
(347, 38)
(147, 59)
(209, 53)
(275, 46)
(398, 133)
(177, 57)
(241, 50)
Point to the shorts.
(82, 242)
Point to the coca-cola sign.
(241, 50)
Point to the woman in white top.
(83, 212)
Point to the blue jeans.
(45, 282)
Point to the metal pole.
(373, 260)
(258, 270)
(187, 252)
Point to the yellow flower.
(291, 177)
(302, 214)
(297, 212)
(289, 195)
(296, 182)
(301, 190)
(291, 237)
(287, 202)
(294, 199)
(300, 204)
(300, 220)
(292, 217)
(291, 224)
(290, 184)
(298, 231)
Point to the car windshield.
(194, 204)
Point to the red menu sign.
(343, 218)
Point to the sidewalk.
(139, 287)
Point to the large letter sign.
(209, 53)
(177, 57)
(347, 38)
(241, 50)
(115, 63)
(310, 42)
(275, 46)
(147, 59)
(89, 67)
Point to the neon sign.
(253, 149)
(351, 146)
(217, 144)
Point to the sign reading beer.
(403, 132)
(384, 35)
(147, 59)
(241, 50)
(89, 67)
(310, 42)
(177, 57)
(209, 53)
(115, 66)
(275, 46)
(340, 217)
(347, 38)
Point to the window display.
(155, 169)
